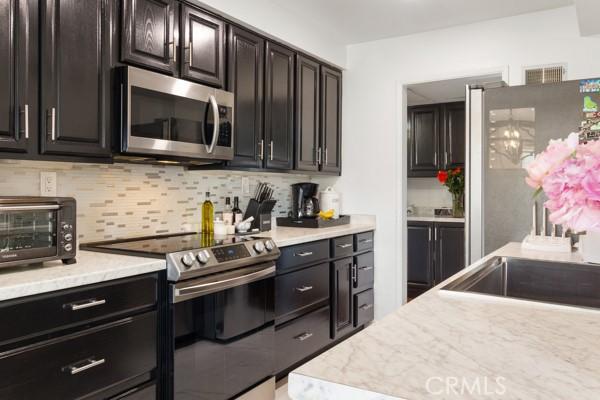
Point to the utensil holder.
(261, 213)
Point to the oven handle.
(201, 289)
(217, 122)
(30, 208)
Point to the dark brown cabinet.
(279, 107)
(18, 76)
(436, 251)
(245, 80)
(148, 34)
(436, 138)
(307, 113)
(203, 47)
(75, 78)
(331, 120)
(341, 296)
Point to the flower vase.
(589, 247)
(458, 205)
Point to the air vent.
(535, 76)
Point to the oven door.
(165, 116)
(28, 233)
(224, 333)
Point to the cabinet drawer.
(301, 338)
(303, 254)
(364, 310)
(365, 271)
(75, 306)
(301, 289)
(145, 392)
(80, 364)
(363, 241)
(342, 246)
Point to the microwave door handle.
(216, 130)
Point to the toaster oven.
(37, 229)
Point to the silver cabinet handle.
(261, 146)
(429, 230)
(366, 306)
(216, 131)
(366, 268)
(355, 273)
(191, 49)
(304, 254)
(26, 121)
(304, 289)
(319, 156)
(325, 155)
(89, 363)
(435, 234)
(86, 304)
(304, 336)
(366, 241)
(271, 150)
(173, 47)
(53, 124)
(344, 246)
(446, 159)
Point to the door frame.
(402, 160)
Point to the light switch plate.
(48, 184)
(245, 185)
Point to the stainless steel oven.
(166, 117)
(37, 229)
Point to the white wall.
(275, 20)
(374, 152)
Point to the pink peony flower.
(557, 152)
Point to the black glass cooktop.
(160, 246)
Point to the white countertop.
(531, 350)
(432, 218)
(284, 236)
(91, 267)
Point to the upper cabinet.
(279, 107)
(18, 76)
(203, 47)
(331, 120)
(148, 34)
(245, 79)
(308, 97)
(436, 138)
(75, 78)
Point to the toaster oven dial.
(68, 247)
(67, 227)
(68, 237)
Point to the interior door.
(307, 113)
(331, 120)
(279, 107)
(203, 47)
(75, 78)
(18, 76)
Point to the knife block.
(261, 213)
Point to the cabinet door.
(246, 73)
(420, 254)
(424, 140)
(331, 120)
(148, 34)
(307, 113)
(75, 81)
(18, 75)
(203, 48)
(453, 139)
(279, 107)
(450, 250)
(341, 297)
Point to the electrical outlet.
(48, 184)
(245, 185)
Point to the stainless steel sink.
(544, 281)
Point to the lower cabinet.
(436, 251)
(364, 310)
(342, 274)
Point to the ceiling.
(356, 21)
(447, 90)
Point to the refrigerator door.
(515, 124)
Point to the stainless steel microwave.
(37, 229)
(166, 117)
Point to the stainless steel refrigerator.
(506, 127)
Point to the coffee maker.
(304, 200)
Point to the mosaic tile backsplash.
(128, 200)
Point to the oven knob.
(68, 237)
(68, 247)
(269, 245)
(259, 247)
(67, 227)
(202, 257)
(187, 259)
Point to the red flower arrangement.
(454, 180)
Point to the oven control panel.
(230, 253)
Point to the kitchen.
(144, 112)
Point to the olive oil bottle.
(208, 214)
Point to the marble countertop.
(91, 267)
(284, 236)
(442, 344)
(432, 218)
